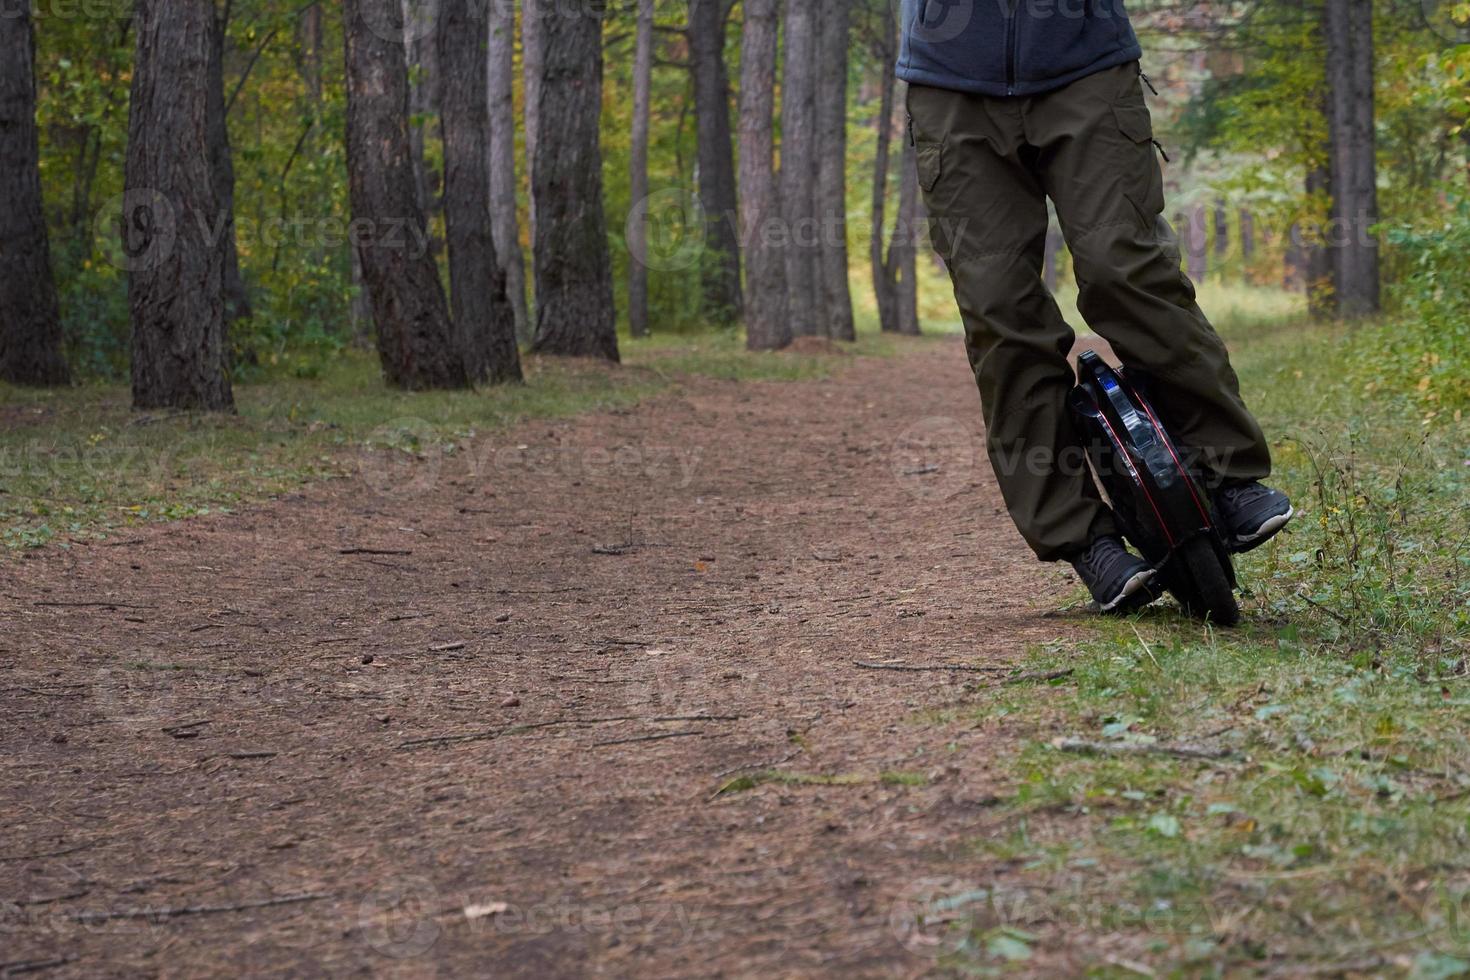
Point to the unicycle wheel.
(1201, 584)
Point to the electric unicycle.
(1159, 505)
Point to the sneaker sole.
(1135, 588)
(1245, 542)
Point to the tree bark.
(176, 268)
(483, 316)
(1348, 33)
(505, 217)
(1318, 270)
(222, 170)
(30, 324)
(421, 50)
(798, 169)
(1222, 230)
(1196, 244)
(885, 286)
(720, 272)
(1247, 235)
(906, 244)
(831, 194)
(574, 292)
(766, 326)
(532, 56)
(417, 343)
(638, 165)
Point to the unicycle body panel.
(1158, 503)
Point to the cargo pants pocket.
(1145, 184)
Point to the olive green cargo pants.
(986, 166)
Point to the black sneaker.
(1119, 580)
(1250, 513)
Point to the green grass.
(79, 463)
(1335, 835)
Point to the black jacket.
(1012, 47)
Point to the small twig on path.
(47, 854)
(649, 738)
(1179, 750)
(611, 549)
(375, 551)
(1321, 608)
(1039, 675)
(1030, 675)
(182, 910)
(403, 616)
(79, 605)
(756, 765)
(490, 733)
(1144, 643)
(446, 647)
(47, 694)
(873, 665)
(15, 968)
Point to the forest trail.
(473, 716)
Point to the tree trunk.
(1247, 236)
(30, 325)
(1348, 33)
(885, 290)
(1222, 231)
(483, 316)
(721, 265)
(1196, 244)
(766, 326)
(574, 292)
(222, 170)
(505, 218)
(360, 312)
(798, 169)
(1318, 270)
(416, 341)
(906, 242)
(176, 269)
(532, 55)
(638, 178)
(420, 44)
(831, 112)
(309, 34)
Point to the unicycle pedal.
(1158, 503)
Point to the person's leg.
(1098, 164)
(987, 218)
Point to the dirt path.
(603, 620)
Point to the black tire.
(1202, 584)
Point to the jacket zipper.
(1011, 48)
